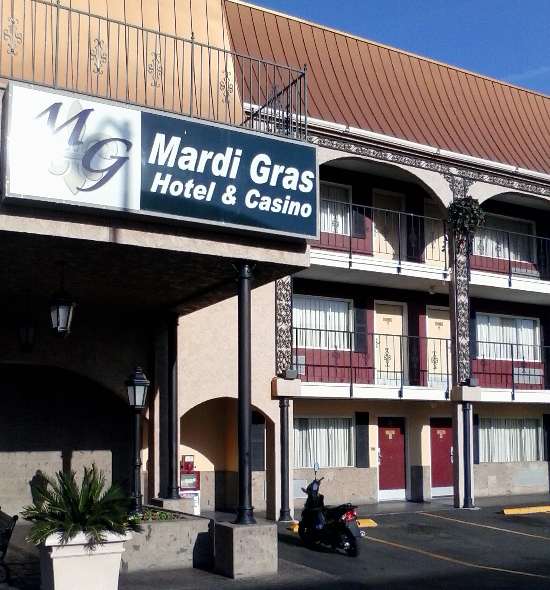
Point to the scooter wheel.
(305, 534)
(351, 546)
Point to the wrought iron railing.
(502, 365)
(394, 235)
(52, 45)
(511, 253)
(355, 357)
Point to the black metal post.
(172, 491)
(285, 480)
(245, 511)
(466, 418)
(136, 477)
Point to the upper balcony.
(47, 43)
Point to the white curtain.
(321, 322)
(335, 209)
(327, 441)
(495, 241)
(505, 338)
(509, 440)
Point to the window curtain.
(335, 209)
(327, 441)
(494, 241)
(321, 323)
(506, 338)
(509, 440)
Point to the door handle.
(452, 455)
(379, 457)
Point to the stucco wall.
(501, 479)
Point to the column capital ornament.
(283, 325)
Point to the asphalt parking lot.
(435, 547)
(444, 549)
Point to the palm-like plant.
(64, 508)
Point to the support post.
(285, 515)
(172, 491)
(467, 422)
(245, 511)
(137, 497)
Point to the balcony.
(381, 240)
(515, 369)
(507, 259)
(45, 43)
(334, 363)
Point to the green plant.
(465, 216)
(63, 507)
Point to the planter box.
(74, 565)
(169, 545)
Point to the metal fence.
(511, 253)
(394, 235)
(52, 45)
(333, 356)
(511, 366)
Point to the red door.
(442, 450)
(391, 448)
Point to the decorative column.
(465, 216)
(245, 511)
(283, 325)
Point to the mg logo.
(86, 162)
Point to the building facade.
(380, 350)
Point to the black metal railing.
(510, 366)
(511, 253)
(395, 235)
(46, 43)
(355, 357)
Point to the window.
(327, 441)
(335, 209)
(507, 338)
(320, 322)
(509, 440)
(494, 241)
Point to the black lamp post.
(137, 385)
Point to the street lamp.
(62, 309)
(137, 385)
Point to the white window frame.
(514, 317)
(532, 236)
(349, 190)
(540, 437)
(351, 328)
(321, 417)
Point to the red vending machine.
(190, 482)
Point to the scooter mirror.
(316, 467)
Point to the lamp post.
(137, 385)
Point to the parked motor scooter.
(323, 525)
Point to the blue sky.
(505, 39)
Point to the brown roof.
(377, 88)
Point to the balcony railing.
(511, 366)
(45, 43)
(393, 235)
(511, 253)
(332, 356)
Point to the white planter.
(74, 566)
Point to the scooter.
(322, 525)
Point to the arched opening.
(209, 433)
(383, 210)
(52, 420)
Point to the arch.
(53, 419)
(208, 431)
(434, 183)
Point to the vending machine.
(190, 482)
